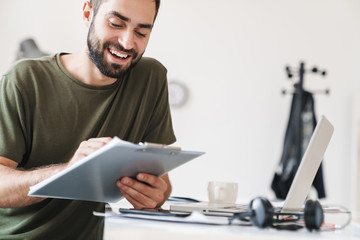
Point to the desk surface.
(121, 228)
(126, 228)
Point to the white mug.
(222, 192)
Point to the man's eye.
(115, 25)
(140, 34)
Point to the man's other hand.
(146, 191)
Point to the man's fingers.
(100, 139)
(95, 142)
(148, 185)
(89, 146)
(132, 201)
(153, 181)
(144, 195)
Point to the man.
(59, 109)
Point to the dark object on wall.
(29, 49)
(302, 122)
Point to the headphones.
(262, 214)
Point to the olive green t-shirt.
(45, 113)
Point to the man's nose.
(127, 39)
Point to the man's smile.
(118, 54)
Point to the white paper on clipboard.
(94, 177)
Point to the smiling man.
(58, 109)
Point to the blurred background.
(231, 56)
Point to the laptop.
(300, 186)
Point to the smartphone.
(154, 211)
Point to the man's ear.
(87, 13)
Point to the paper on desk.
(194, 218)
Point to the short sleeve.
(160, 129)
(12, 121)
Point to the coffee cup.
(222, 192)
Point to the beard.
(96, 53)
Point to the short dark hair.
(96, 5)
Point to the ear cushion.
(262, 212)
(313, 215)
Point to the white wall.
(232, 55)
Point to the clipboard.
(94, 177)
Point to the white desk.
(125, 228)
(120, 228)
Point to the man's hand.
(146, 191)
(87, 147)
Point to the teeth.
(118, 54)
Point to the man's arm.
(148, 191)
(15, 183)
